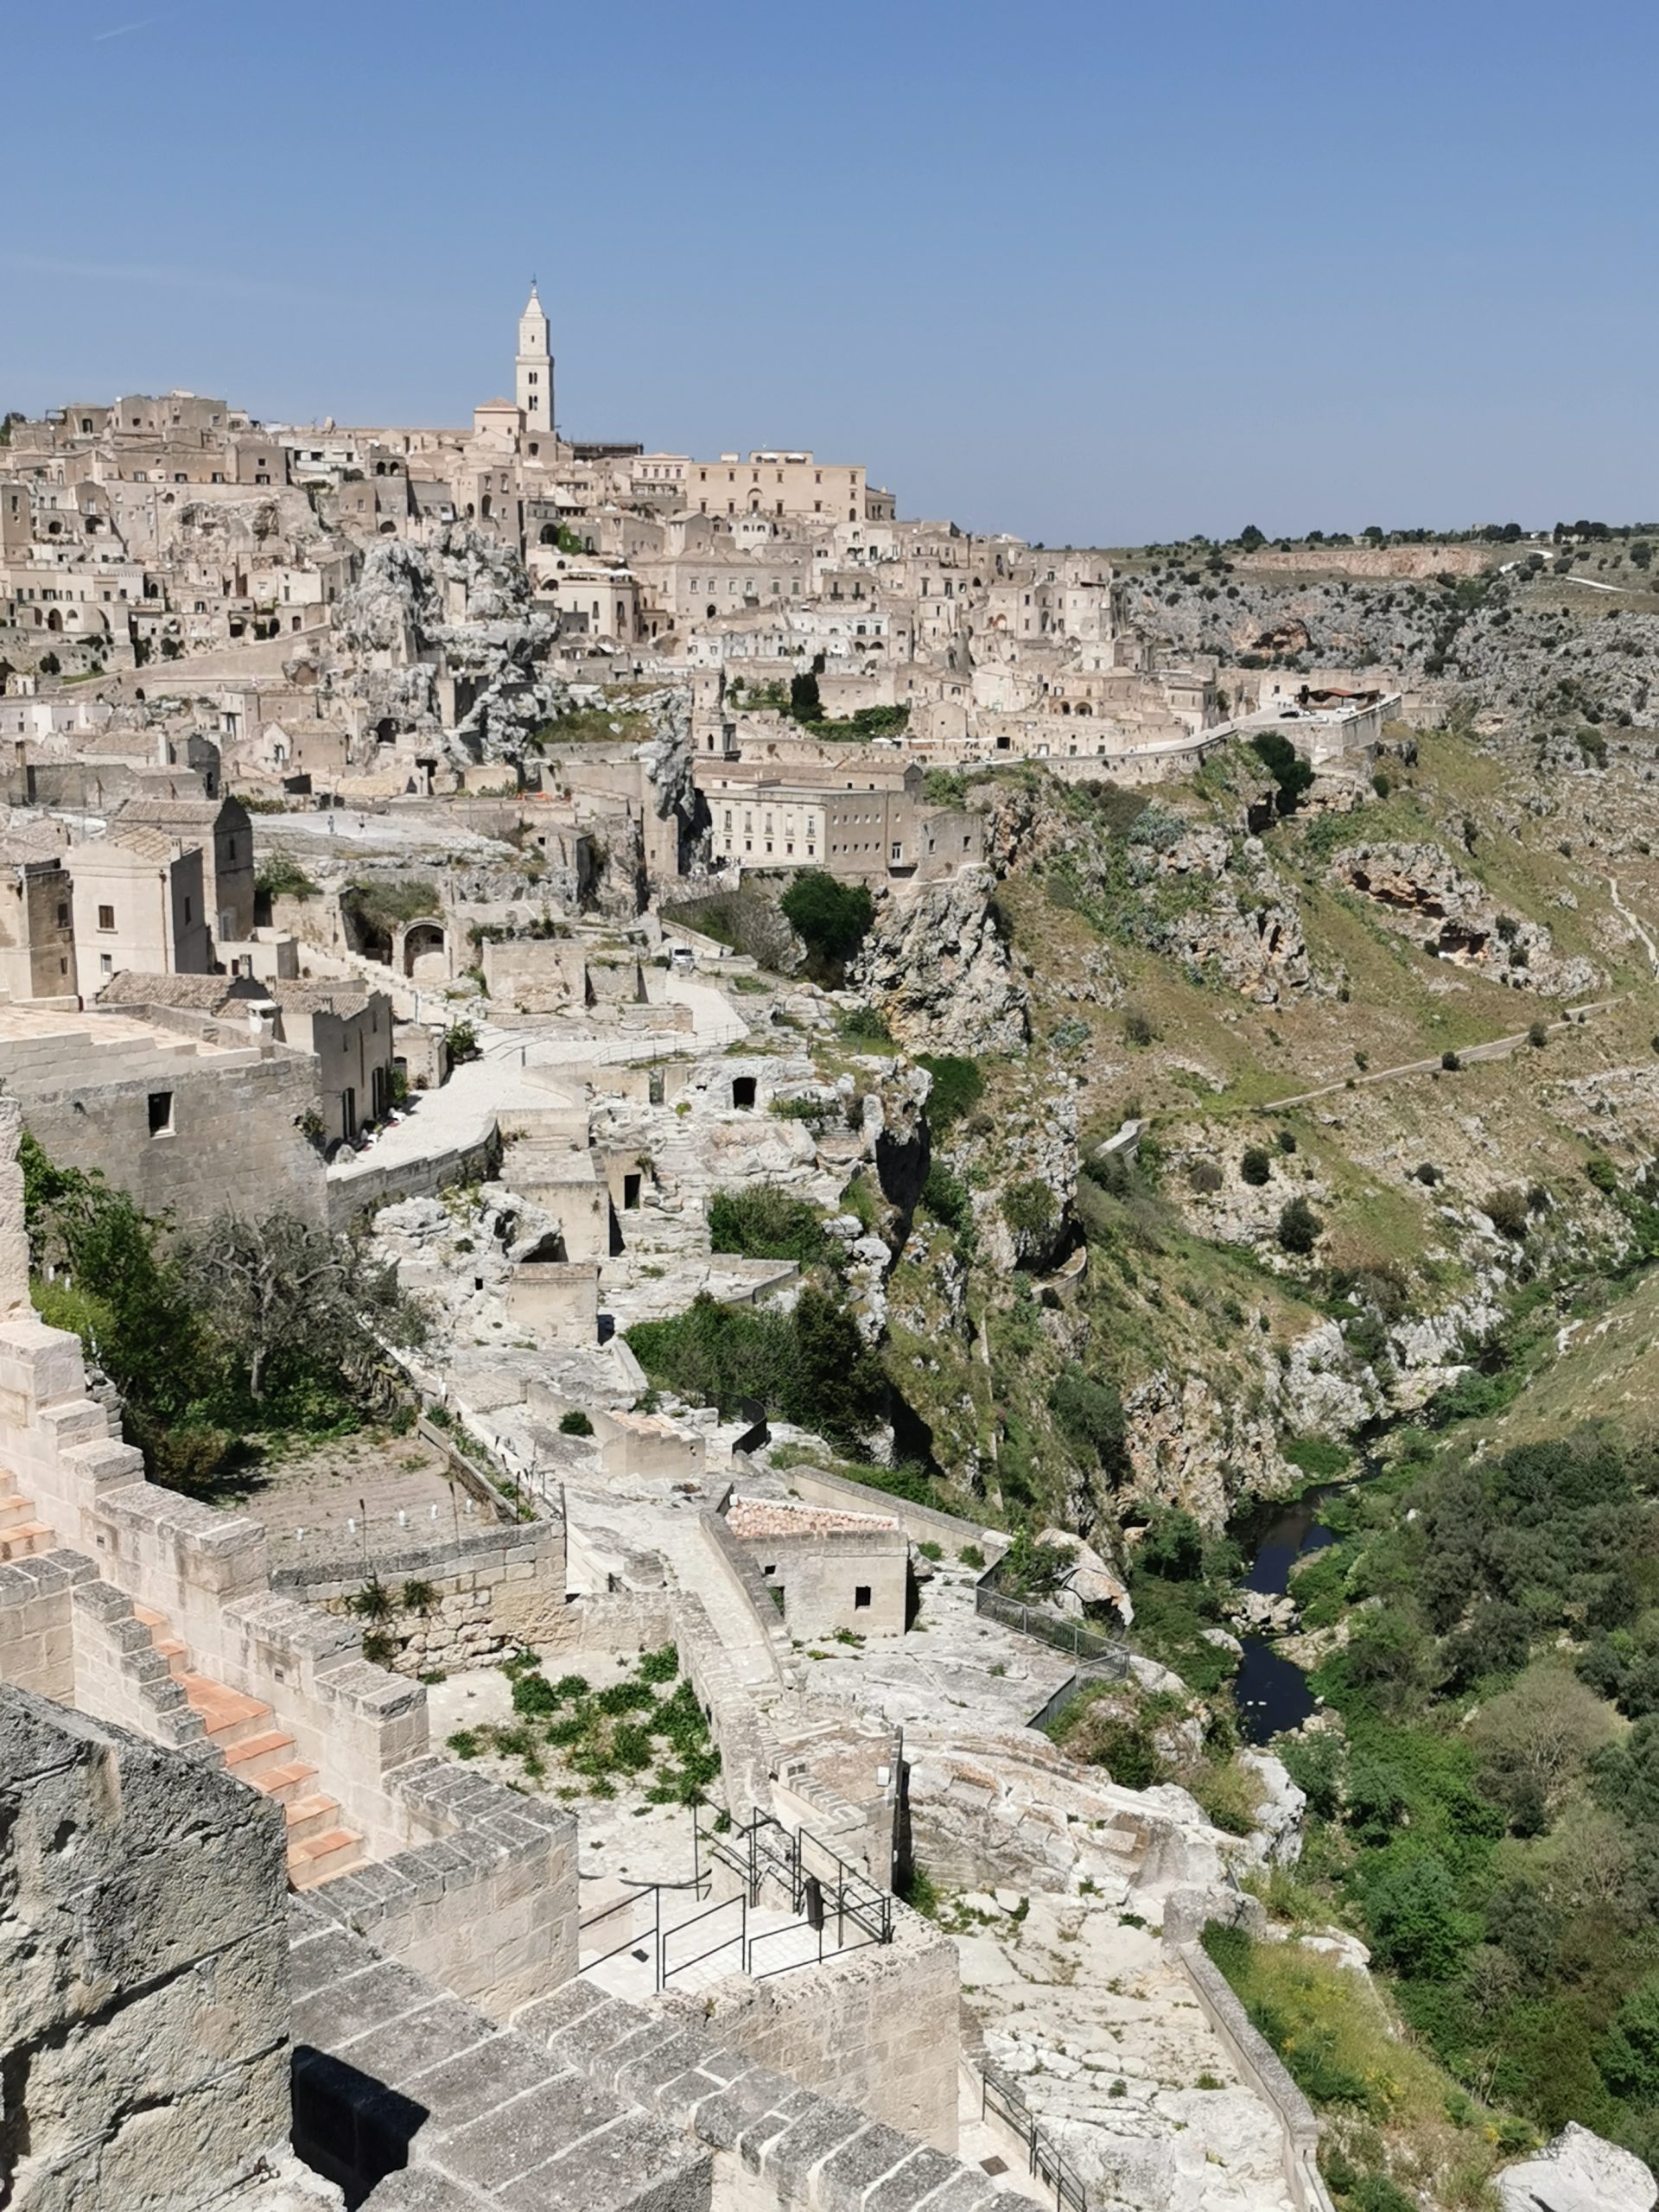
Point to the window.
(106, 964)
(106, 918)
(161, 1113)
(860, 1596)
(63, 913)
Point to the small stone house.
(836, 1570)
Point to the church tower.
(534, 366)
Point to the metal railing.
(1098, 1653)
(999, 2094)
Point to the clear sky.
(1089, 271)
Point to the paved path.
(1496, 1048)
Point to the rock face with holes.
(1419, 889)
(143, 1955)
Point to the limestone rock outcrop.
(1419, 888)
(1577, 2171)
(936, 966)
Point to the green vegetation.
(1395, 2121)
(600, 1737)
(767, 1221)
(1292, 777)
(281, 876)
(958, 1086)
(575, 1423)
(831, 920)
(810, 1365)
(1489, 1820)
(244, 1329)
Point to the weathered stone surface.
(1577, 2171)
(937, 967)
(143, 1965)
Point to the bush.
(1029, 1207)
(865, 1025)
(810, 1365)
(1507, 1211)
(945, 1196)
(1290, 773)
(1450, 1062)
(1137, 1027)
(1538, 1035)
(1256, 1167)
(1203, 1175)
(1299, 1227)
(575, 1423)
(1090, 1414)
(831, 919)
(958, 1086)
(766, 1222)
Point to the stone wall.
(37, 1640)
(879, 2028)
(485, 1902)
(774, 2144)
(234, 1139)
(145, 1960)
(491, 1592)
(359, 1183)
(1258, 2063)
(840, 1578)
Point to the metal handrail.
(999, 2094)
(666, 1972)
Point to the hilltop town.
(692, 1176)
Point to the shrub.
(831, 919)
(1507, 1211)
(1538, 1035)
(958, 1086)
(1256, 1167)
(1028, 1207)
(1291, 773)
(1450, 1061)
(766, 1222)
(865, 1025)
(575, 1423)
(1204, 1175)
(661, 1665)
(1602, 1172)
(1089, 1414)
(970, 1555)
(1137, 1027)
(1299, 1227)
(419, 1596)
(534, 1696)
(945, 1196)
(1286, 1141)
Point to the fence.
(820, 1884)
(1101, 1654)
(999, 2094)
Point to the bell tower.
(533, 369)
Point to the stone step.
(288, 1783)
(172, 1649)
(335, 1852)
(149, 1617)
(311, 1816)
(255, 1756)
(12, 1509)
(226, 1715)
(25, 1539)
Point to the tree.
(50, 665)
(831, 919)
(286, 1293)
(1299, 1227)
(1256, 1167)
(1628, 2059)
(805, 704)
(1416, 1925)
(1543, 1731)
(1290, 773)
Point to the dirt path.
(1652, 949)
(1496, 1048)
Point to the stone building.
(139, 903)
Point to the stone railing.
(1185, 1916)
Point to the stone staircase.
(258, 1750)
(21, 1535)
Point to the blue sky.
(1094, 273)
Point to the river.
(1271, 1692)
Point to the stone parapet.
(773, 2143)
